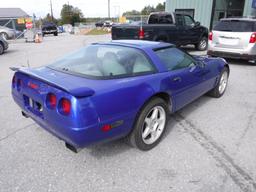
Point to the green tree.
(147, 10)
(133, 12)
(160, 7)
(70, 14)
(48, 18)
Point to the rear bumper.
(78, 137)
(50, 31)
(231, 55)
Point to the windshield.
(235, 26)
(105, 61)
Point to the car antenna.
(27, 60)
(28, 63)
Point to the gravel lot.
(209, 145)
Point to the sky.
(90, 8)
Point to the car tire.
(150, 125)
(55, 34)
(1, 49)
(221, 86)
(202, 44)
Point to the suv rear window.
(235, 26)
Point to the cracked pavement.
(208, 146)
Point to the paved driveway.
(208, 146)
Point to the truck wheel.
(202, 44)
(150, 125)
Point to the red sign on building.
(29, 25)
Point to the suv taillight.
(253, 38)
(141, 33)
(210, 36)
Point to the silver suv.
(234, 38)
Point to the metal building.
(208, 12)
(9, 17)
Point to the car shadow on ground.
(240, 62)
(10, 51)
(120, 146)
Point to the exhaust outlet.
(24, 114)
(72, 148)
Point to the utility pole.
(108, 8)
(51, 9)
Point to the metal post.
(108, 8)
(51, 9)
(14, 27)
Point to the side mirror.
(197, 24)
(201, 64)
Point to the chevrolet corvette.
(119, 89)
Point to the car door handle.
(176, 79)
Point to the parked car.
(7, 33)
(118, 89)
(234, 38)
(99, 23)
(3, 45)
(167, 27)
(49, 28)
(108, 23)
(60, 29)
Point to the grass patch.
(96, 31)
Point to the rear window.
(235, 26)
(160, 19)
(105, 61)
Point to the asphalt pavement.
(209, 145)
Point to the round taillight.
(19, 84)
(65, 106)
(13, 81)
(51, 101)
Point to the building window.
(190, 12)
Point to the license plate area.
(34, 106)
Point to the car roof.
(141, 44)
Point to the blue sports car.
(117, 89)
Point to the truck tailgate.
(125, 32)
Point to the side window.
(179, 19)
(174, 59)
(153, 19)
(188, 20)
(141, 64)
(165, 19)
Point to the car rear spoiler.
(76, 92)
